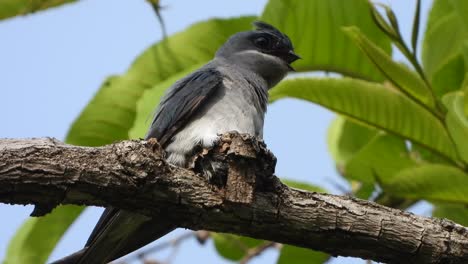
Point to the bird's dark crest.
(267, 28)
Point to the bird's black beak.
(291, 57)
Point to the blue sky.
(52, 63)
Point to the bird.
(229, 93)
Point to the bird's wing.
(119, 232)
(181, 102)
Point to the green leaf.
(449, 77)
(455, 212)
(37, 237)
(323, 46)
(345, 138)
(11, 8)
(362, 190)
(373, 104)
(297, 255)
(457, 122)
(303, 186)
(460, 7)
(383, 157)
(107, 118)
(233, 247)
(432, 182)
(439, 9)
(402, 77)
(442, 42)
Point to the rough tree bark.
(244, 198)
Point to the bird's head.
(265, 51)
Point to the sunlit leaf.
(460, 7)
(449, 77)
(303, 186)
(314, 27)
(455, 212)
(11, 8)
(404, 78)
(297, 255)
(431, 182)
(457, 122)
(37, 237)
(346, 137)
(443, 39)
(362, 190)
(439, 9)
(233, 247)
(373, 104)
(382, 158)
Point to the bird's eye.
(262, 42)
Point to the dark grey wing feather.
(119, 232)
(108, 213)
(181, 102)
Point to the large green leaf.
(444, 46)
(454, 212)
(109, 115)
(37, 237)
(433, 182)
(11, 8)
(401, 76)
(450, 76)
(345, 138)
(439, 9)
(443, 38)
(460, 7)
(297, 255)
(233, 247)
(457, 122)
(373, 104)
(380, 159)
(314, 27)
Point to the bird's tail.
(118, 233)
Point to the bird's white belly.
(218, 118)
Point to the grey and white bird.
(229, 93)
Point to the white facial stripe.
(256, 53)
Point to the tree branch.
(246, 199)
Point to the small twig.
(157, 10)
(256, 251)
